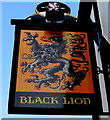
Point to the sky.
(19, 10)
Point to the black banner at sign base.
(45, 102)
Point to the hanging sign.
(54, 71)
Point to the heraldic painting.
(54, 61)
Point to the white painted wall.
(105, 21)
(104, 17)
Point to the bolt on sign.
(54, 68)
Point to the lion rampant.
(52, 52)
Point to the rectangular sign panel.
(46, 64)
(54, 71)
